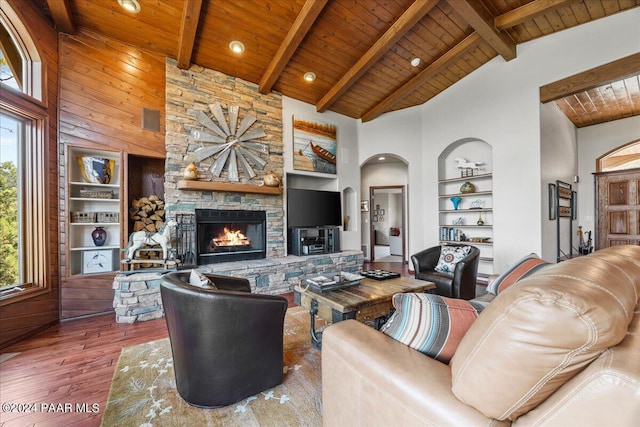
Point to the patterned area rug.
(143, 391)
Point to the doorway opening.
(387, 223)
(384, 177)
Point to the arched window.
(621, 158)
(21, 66)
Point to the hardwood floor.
(72, 364)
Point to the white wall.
(348, 167)
(559, 159)
(498, 103)
(399, 133)
(593, 142)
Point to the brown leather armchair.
(226, 342)
(460, 284)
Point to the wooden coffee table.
(370, 301)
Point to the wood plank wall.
(104, 84)
(25, 317)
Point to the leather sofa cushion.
(545, 329)
(611, 381)
(431, 324)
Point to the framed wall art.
(99, 261)
(314, 146)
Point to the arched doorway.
(383, 179)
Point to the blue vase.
(456, 202)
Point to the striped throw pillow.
(521, 269)
(431, 324)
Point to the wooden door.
(617, 208)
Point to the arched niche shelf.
(465, 215)
(350, 209)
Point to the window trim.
(35, 238)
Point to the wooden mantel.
(227, 186)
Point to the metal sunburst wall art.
(229, 144)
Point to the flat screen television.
(313, 208)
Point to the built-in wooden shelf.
(227, 186)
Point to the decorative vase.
(99, 236)
(190, 172)
(456, 202)
(271, 180)
(467, 187)
(96, 170)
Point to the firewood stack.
(147, 214)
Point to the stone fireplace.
(258, 252)
(194, 90)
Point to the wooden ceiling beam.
(527, 12)
(406, 22)
(481, 20)
(62, 16)
(602, 75)
(301, 26)
(434, 68)
(188, 30)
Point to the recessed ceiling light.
(415, 61)
(236, 46)
(309, 76)
(130, 5)
(381, 158)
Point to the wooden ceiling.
(360, 50)
(602, 94)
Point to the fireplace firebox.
(230, 235)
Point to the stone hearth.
(137, 295)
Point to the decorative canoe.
(323, 153)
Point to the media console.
(313, 241)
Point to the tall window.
(11, 139)
(24, 169)
(24, 234)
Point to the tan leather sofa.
(559, 348)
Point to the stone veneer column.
(194, 89)
(137, 297)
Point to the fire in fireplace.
(230, 235)
(229, 240)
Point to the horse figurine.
(464, 164)
(140, 238)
